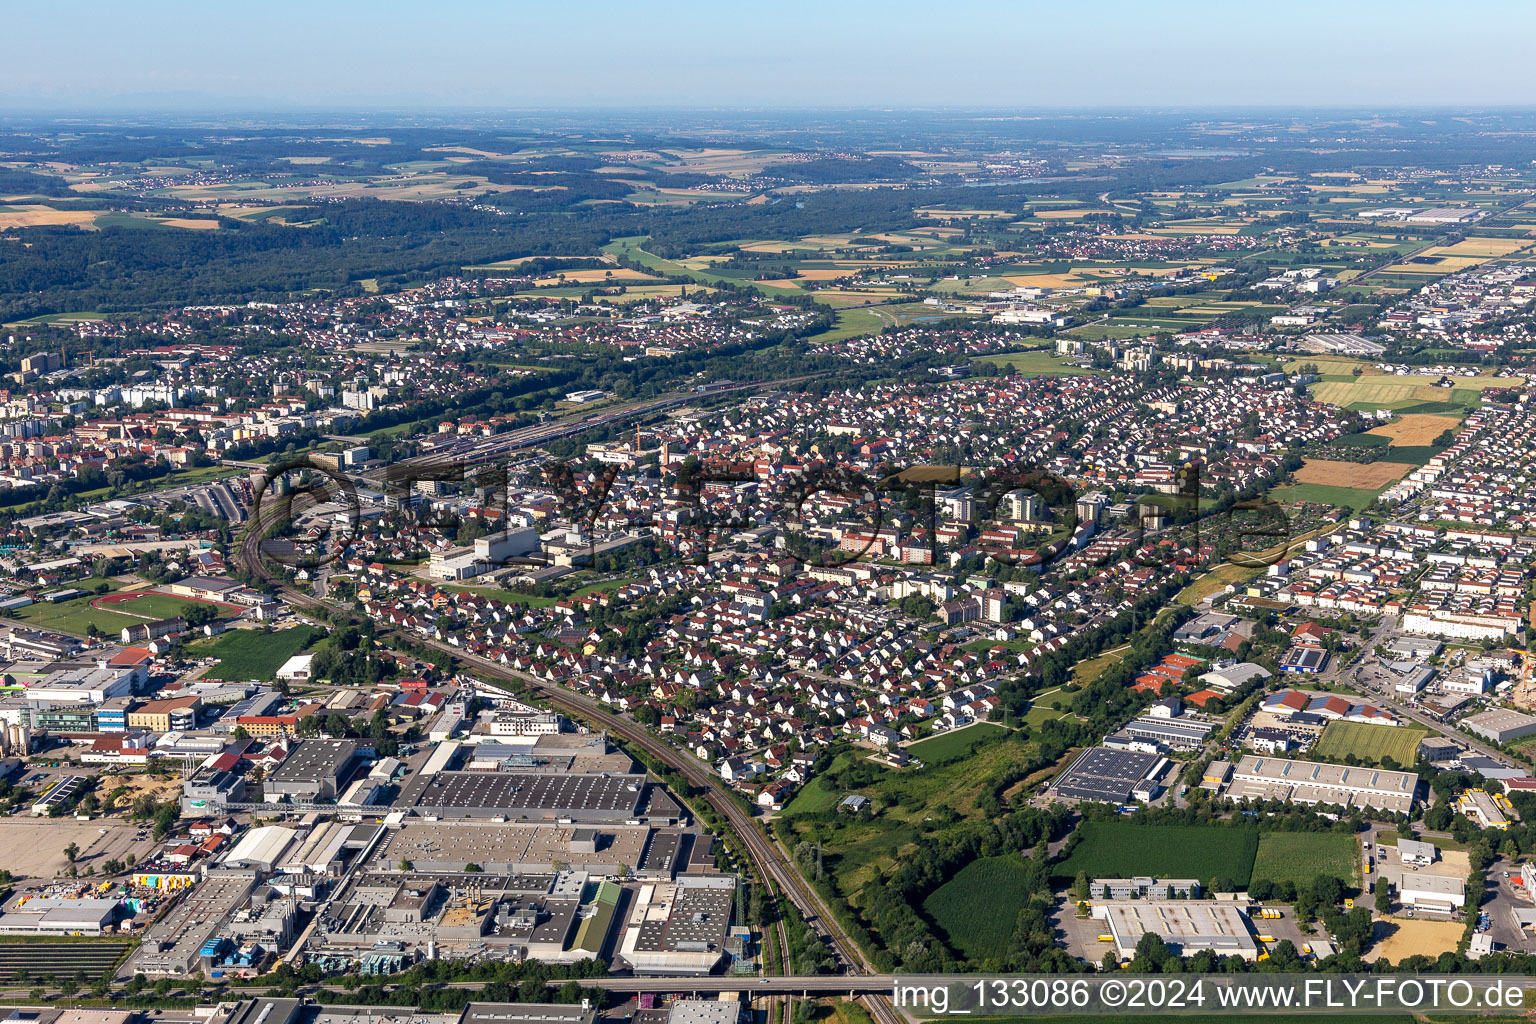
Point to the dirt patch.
(1399, 937)
(1351, 474)
(163, 790)
(1416, 429)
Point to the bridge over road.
(850, 985)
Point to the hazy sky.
(381, 54)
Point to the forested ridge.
(563, 203)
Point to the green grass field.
(1214, 581)
(1370, 742)
(1110, 331)
(1412, 454)
(1302, 856)
(75, 615)
(976, 909)
(253, 654)
(813, 797)
(632, 248)
(1085, 672)
(1040, 710)
(818, 795)
(959, 743)
(1344, 497)
(1038, 363)
(852, 323)
(1463, 402)
(57, 318)
(501, 594)
(1120, 849)
(906, 803)
(1362, 441)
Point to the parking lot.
(34, 847)
(1504, 900)
(1081, 936)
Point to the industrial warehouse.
(1115, 776)
(1313, 782)
(1187, 926)
(547, 797)
(552, 892)
(514, 848)
(1500, 725)
(270, 1010)
(680, 928)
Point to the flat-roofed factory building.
(1501, 725)
(315, 770)
(703, 1011)
(1187, 926)
(679, 927)
(1111, 776)
(1313, 782)
(510, 797)
(1441, 894)
(268, 1010)
(526, 847)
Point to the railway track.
(769, 862)
(542, 433)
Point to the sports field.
(1302, 856)
(1120, 849)
(1371, 742)
(152, 605)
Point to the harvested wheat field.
(1044, 280)
(597, 275)
(1401, 937)
(1416, 429)
(1075, 212)
(41, 216)
(1486, 247)
(1351, 474)
(822, 274)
